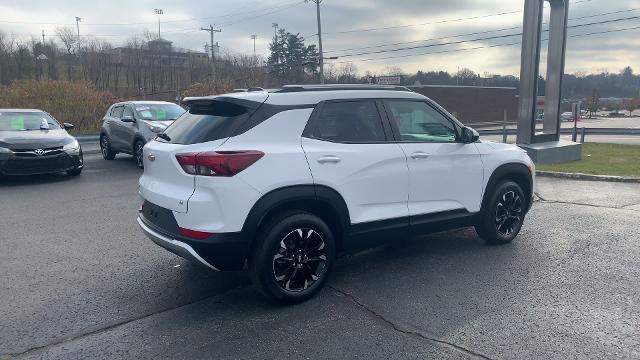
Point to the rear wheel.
(293, 257)
(504, 214)
(105, 148)
(138, 153)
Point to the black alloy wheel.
(503, 214)
(300, 260)
(509, 213)
(292, 257)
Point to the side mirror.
(469, 135)
(67, 126)
(127, 119)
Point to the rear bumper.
(177, 247)
(221, 251)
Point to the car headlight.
(5, 151)
(155, 129)
(72, 146)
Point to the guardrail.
(587, 131)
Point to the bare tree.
(69, 40)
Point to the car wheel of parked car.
(503, 215)
(138, 154)
(105, 147)
(293, 256)
(74, 172)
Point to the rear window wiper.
(164, 136)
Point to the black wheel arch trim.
(303, 197)
(511, 171)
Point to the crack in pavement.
(406, 330)
(104, 328)
(544, 201)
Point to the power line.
(472, 33)
(437, 21)
(478, 39)
(484, 46)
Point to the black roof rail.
(335, 87)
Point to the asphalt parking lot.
(79, 280)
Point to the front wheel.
(293, 257)
(504, 214)
(105, 148)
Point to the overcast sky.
(349, 24)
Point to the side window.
(127, 112)
(419, 122)
(349, 121)
(116, 112)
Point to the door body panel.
(443, 177)
(372, 178)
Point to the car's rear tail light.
(218, 163)
(193, 234)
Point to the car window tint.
(22, 121)
(211, 121)
(116, 112)
(127, 112)
(419, 122)
(349, 121)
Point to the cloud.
(239, 19)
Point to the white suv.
(279, 182)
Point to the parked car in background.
(33, 142)
(128, 126)
(566, 116)
(280, 181)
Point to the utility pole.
(78, 27)
(158, 12)
(275, 30)
(211, 31)
(321, 54)
(254, 37)
(42, 37)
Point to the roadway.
(80, 280)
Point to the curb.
(588, 177)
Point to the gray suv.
(127, 126)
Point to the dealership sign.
(389, 80)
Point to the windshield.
(158, 112)
(25, 121)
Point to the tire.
(293, 257)
(105, 148)
(138, 154)
(503, 215)
(74, 172)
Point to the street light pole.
(254, 37)
(158, 12)
(78, 27)
(321, 54)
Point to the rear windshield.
(26, 121)
(158, 112)
(213, 121)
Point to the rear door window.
(116, 112)
(207, 122)
(349, 122)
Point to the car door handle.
(329, 159)
(419, 155)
